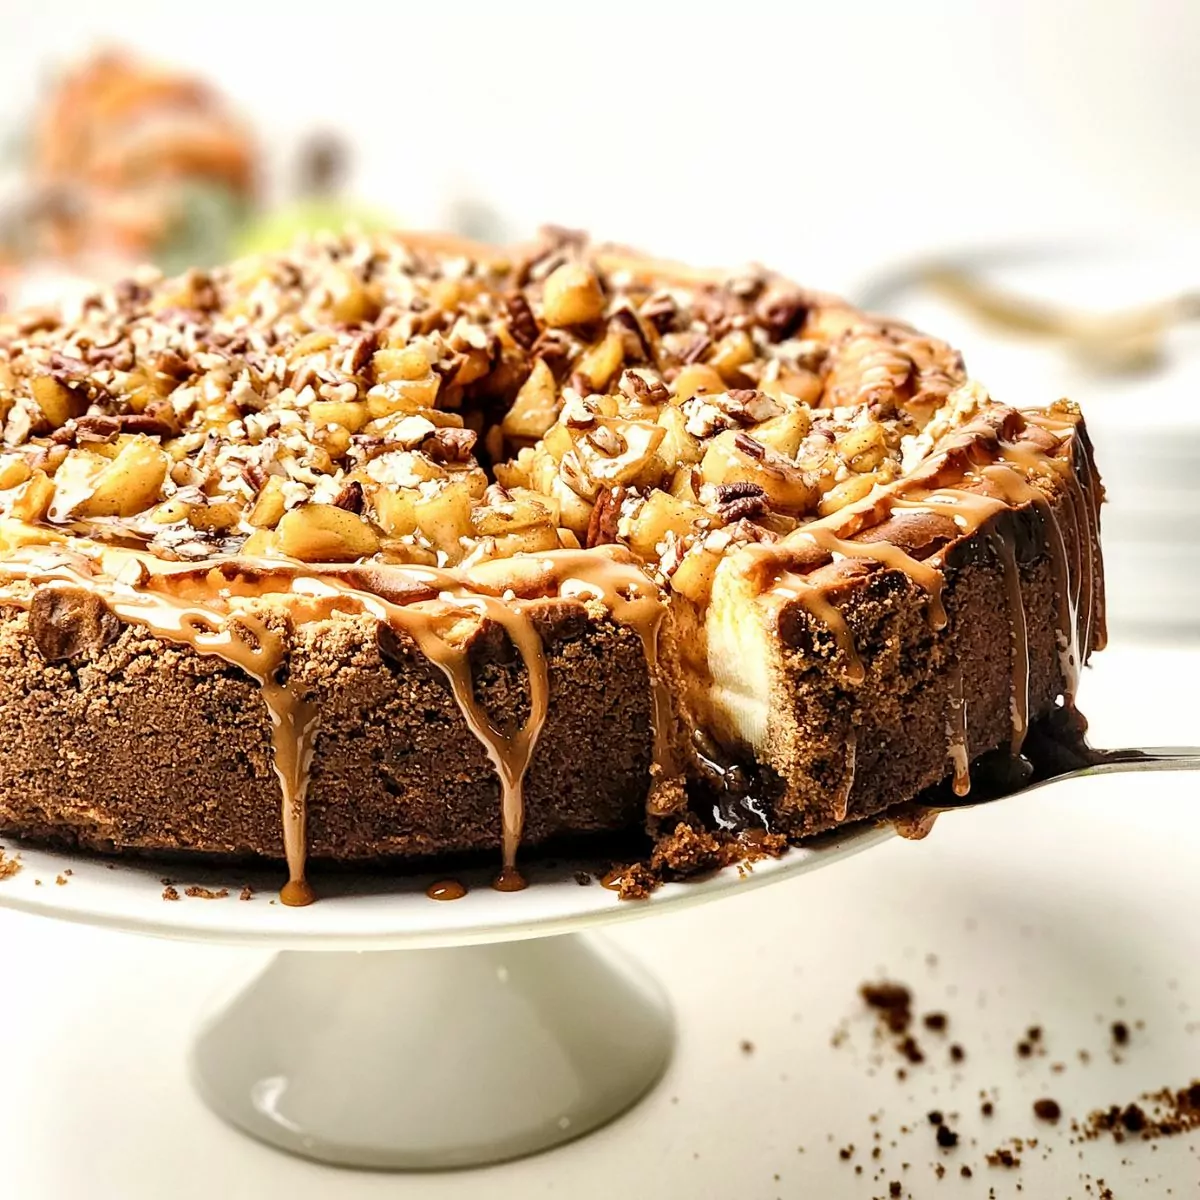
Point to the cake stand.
(391, 1030)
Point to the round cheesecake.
(398, 548)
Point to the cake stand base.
(426, 1059)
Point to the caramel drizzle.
(925, 576)
(1001, 539)
(841, 803)
(1087, 493)
(1076, 589)
(976, 509)
(1018, 490)
(160, 598)
(956, 734)
(790, 586)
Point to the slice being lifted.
(446, 548)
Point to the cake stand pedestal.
(440, 1058)
(387, 1030)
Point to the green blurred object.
(280, 229)
(204, 228)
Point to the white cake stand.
(510, 1032)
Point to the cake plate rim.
(370, 910)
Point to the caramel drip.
(972, 510)
(1018, 490)
(1002, 543)
(922, 574)
(956, 733)
(916, 825)
(446, 889)
(1086, 493)
(247, 642)
(791, 586)
(206, 608)
(510, 880)
(968, 510)
(841, 803)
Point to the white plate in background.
(1145, 426)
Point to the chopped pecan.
(173, 365)
(576, 414)
(88, 429)
(361, 351)
(715, 311)
(602, 528)
(255, 476)
(698, 348)
(637, 345)
(350, 497)
(746, 531)
(660, 310)
(749, 446)
(645, 391)
(522, 324)
(66, 366)
(118, 356)
(450, 445)
(158, 421)
(68, 622)
(782, 316)
(556, 348)
(739, 500)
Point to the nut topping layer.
(421, 401)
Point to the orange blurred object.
(116, 147)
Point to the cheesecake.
(400, 548)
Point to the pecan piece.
(782, 316)
(633, 336)
(740, 500)
(89, 429)
(350, 497)
(602, 528)
(749, 446)
(361, 351)
(643, 390)
(660, 310)
(68, 622)
(522, 324)
(255, 476)
(556, 349)
(173, 365)
(450, 445)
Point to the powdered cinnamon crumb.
(9, 865)
(203, 893)
(169, 893)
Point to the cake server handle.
(1111, 762)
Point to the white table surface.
(1069, 909)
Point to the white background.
(819, 137)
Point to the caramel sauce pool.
(446, 889)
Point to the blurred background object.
(1114, 324)
(837, 143)
(125, 162)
